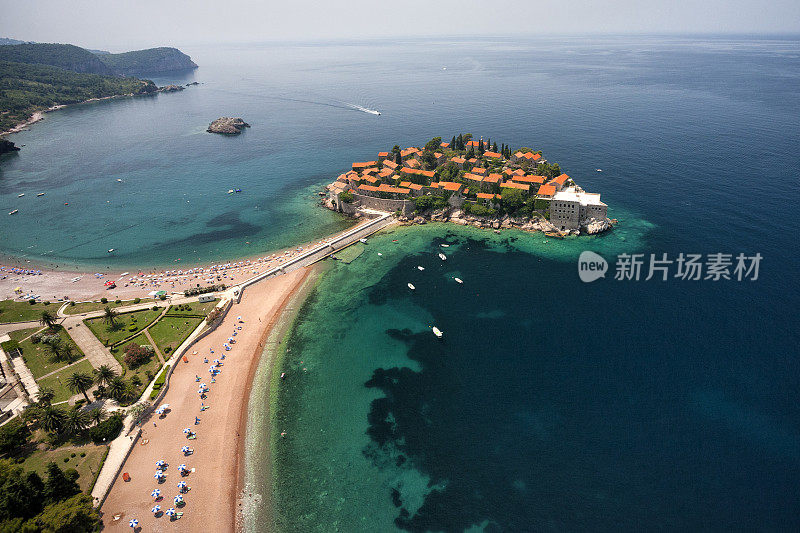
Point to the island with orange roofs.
(470, 182)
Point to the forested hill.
(150, 61)
(77, 59)
(66, 56)
(26, 88)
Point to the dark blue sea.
(550, 403)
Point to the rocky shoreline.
(458, 216)
(36, 116)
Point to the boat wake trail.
(363, 109)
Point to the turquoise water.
(552, 404)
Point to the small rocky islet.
(227, 126)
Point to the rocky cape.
(227, 126)
(7, 146)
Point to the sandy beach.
(56, 285)
(214, 465)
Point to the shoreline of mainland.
(263, 306)
(254, 453)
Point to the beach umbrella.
(160, 463)
(156, 493)
(159, 474)
(216, 362)
(170, 512)
(165, 406)
(178, 499)
(187, 431)
(182, 467)
(201, 391)
(133, 523)
(160, 411)
(185, 449)
(156, 509)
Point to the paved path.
(8, 328)
(154, 345)
(91, 347)
(21, 370)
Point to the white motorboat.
(380, 254)
(111, 250)
(459, 280)
(20, 195)
(445, 245)
(420, 268)
(40, 194)
(599, 169)
(410, 286)
(442, 256)
(437, 332)
(14, 212)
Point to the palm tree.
(110, 316)
(51, 419)
(76, 420)
(97, 415)
(67, 352)
(46, 395)
(104, 375)
(116, 388)
(80, 382)
(56, 349)
(47, 320)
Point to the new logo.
(591, 266)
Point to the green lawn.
(22, 311)
(87, 466)
(88, 307)
(57, 381)
(170, 332)
(153, 365)
(20, 334)
(37, 357)
(193, 308)
(139, 320)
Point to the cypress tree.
(494, 147)
(453, 143)
(398, 158)
(460, 142)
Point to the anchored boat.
(437, 332)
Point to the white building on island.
(571, 208)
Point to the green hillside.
(26, 88)
(150, 61)
(66, 56)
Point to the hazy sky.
(124, 24)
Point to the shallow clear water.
(552, 404)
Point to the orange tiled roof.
(405, 183)
(426, 173)
(513, 185)
(413, 163)
(494, 155)
(388, 188)
(437, 155)
(370, 170)
(486, 196)
(390, 164)
(528, 179)
(365, 164)
(385, 173)
(561, 179)
(371, 179)
(546, 190)
(415, 186)
(383, 154)
(444, 145)
(473, 177)
(367, 188)
(408, 151)
(493, 178)
(473, 160)
(459, 160)
(449, 186)
(478, 170)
